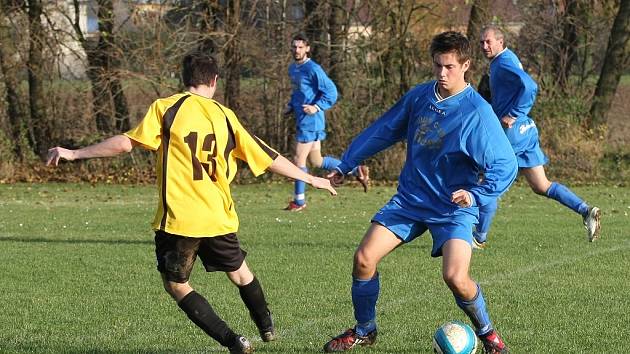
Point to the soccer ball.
(455, 337)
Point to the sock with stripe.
(477, 312)
(299, 196)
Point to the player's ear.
(213, 82)
(466, 65)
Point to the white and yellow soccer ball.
(455, 337)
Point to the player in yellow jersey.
(197, 141)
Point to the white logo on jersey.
(437, 110)
(525, 127)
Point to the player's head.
(451, 59)
(491, 41)
(300, 47)
(199, 69)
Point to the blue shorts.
(395, 219)
(523, 137)
(307, 136)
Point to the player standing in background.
(452, 134)
(313, 93)
(513, 94)
(198, 141)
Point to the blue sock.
(329, 163)
(476, 311)
(364, 296)
(567, 198)
(486, 214)
(299, 197)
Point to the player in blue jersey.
(313, 93)
(452, 135)
(512, 96)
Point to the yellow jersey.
(198, 141)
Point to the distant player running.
(512, 97)
(313, 93)
(198, 141)
(452, 135)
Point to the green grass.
(78, 274)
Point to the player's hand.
(57, 153)
(309, 109)
(323, 183)
(462, 198)
(336, 179)
(507, 121)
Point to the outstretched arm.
(109, 147)
(284, 167)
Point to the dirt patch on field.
(619, 119)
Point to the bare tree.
(315, 29)
(338, 29)
(36, 75)
(233, 54)
(616, 61)
(567, 45)
(107, 92)
(9, 69)
(479, 17)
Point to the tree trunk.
(9, 71)
(315, 30)
(121, 106)
(110, 106)
(615, 62)
(107, 47)
(479, 17)
(36, 77)
(337, 30)
(233, 56)
(567, 48)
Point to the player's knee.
(176, 290)
(539, 189)
(363, 263)
(455, 281)
(315, 160)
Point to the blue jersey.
(513, 91)
(311, 86)
(513, 94)
(449, 142)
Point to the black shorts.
(176, 254)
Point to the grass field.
(78, 274)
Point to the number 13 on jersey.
(208, 155)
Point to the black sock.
(201, 313)
(254, 298)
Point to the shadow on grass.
(88, 241)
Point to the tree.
(565, 55)
(9, 70)
(233, 54)
(107, 93)
(615, 62)
(315, 29)
(479, 17)
(338, 30)
(36, 74)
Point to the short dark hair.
(451, 41)
(301, 37)
(198, 69)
